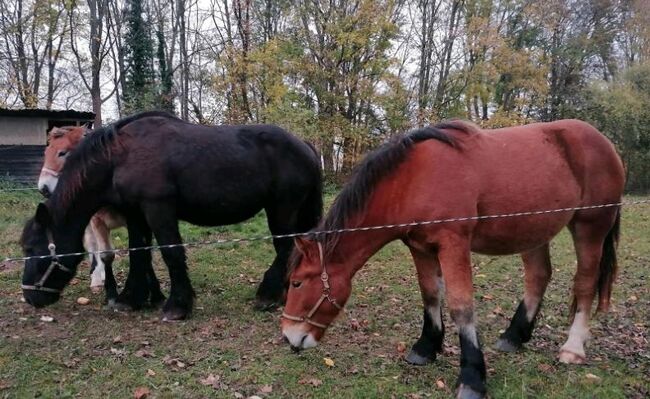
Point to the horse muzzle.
(298, 339)
(40, 299)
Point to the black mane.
(376, 166)
(96, 148)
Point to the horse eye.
(62, 153)
(296, 284)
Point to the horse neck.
(72, 216)
(355, 248)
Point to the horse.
(97, 238)
(156, 169)
(456, 170)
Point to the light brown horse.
(61, 141)
(454, 170)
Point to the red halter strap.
(324, 277)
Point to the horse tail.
(608, 265)
(312, 208)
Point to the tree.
(139, 94)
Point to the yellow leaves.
(328, 362)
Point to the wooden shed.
(23, 137)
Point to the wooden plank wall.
(21, 163)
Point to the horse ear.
(57, 132)
(302, 244)
(88, 127)
(43, 217)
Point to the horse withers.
(456, 170)
(156, 169)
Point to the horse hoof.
(417, 360)
(265, 305)
(465, 392)
(567, 357)
(175, 315)
(118, 306)
(505, 345)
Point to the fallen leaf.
(266, 389)
(144, 353)
(329, 362)
(151, 373)
(354, 324)
(238, 395)
(83, 300)
(254, 397)
(592, 377)
(311, 381)
(440, 384)
(401, 347)
(141, 393)
(47, 319)
(211, 380)
(117, 339)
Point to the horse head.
(317, 292)
(61, 141)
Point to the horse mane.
(375, 167)
(95, 149)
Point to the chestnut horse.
(455, 169)
(97, 238)
(156, 169)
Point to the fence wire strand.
(336, 231)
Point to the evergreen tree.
(140, 87)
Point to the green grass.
(93, 352)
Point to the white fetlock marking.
(99, 274)
(531, 307)
(469, 332)
(434, 313)
(578, 334)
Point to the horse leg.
(537, 270)
(455, 262)
(271, 290)
(96, 265)
(135, 293)
(103, 237)
(164, 224)
(588, 239)
(433, 330)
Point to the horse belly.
(517, 234)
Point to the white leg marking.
(469, 332)
(434, 313)
(578, 334)
(531, 307)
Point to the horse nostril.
(45, 192)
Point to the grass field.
(229, 350)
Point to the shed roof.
(44, 113)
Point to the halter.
(324, 277)
(50, 172)
(39, 285)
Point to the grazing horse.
(97, 238)
(453, 170)
(156, 169)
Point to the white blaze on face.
(46, 179)
(298, 338)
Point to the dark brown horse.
(156, 170)
(454, 170)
